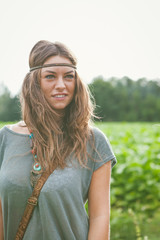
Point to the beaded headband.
(53, 65)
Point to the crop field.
(135, 182)
(135, 185)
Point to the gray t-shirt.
(60, 213)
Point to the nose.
(60, 83)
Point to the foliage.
(134, 227)
(135, 181)
(9, 106)
(126, 100)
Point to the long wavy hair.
(57, 137)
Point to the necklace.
(36, 170)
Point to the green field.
(4, 123)
(135, 188)
(135, 183)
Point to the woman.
(56, 133)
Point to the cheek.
(72, 87)
(45, 87)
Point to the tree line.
(126, 100)
(9, 106)
(116, 100)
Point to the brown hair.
(55, 136)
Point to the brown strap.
(53, 65)
(31, 203)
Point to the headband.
(53, 65)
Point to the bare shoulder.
(19, 127)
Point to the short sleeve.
(103, 151)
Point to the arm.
(1, 223)
(99, 203)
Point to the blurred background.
(117, 46)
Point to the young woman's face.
(58, 83)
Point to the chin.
(58, 109)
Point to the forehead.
(57, 59)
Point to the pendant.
(35, 173)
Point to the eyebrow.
(49, 71)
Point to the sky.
(110, 38)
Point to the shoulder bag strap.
(31, 203)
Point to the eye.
(50, 76)
(69, 76)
